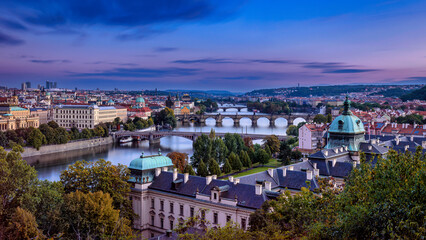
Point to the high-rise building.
(50, 85)
(23, 87)
(28, 84)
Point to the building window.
(171, 224)
(228, 218)
(152, 220)
(161, 205)
(243, 223)
(214, 196)
(203, 214)
(161, 222)
(192, 211)
(172, 208)
(215, 218)
(181, 210)
(152, 203)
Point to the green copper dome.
(347, 123)
(140, 100)
(150, 162)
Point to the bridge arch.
(298, 120)
(210, 121)
(246, 121)
(228, 121)
(263, 121)
(281, 122)
(231, 109)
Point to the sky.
(235, 45)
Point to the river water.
(125, 153)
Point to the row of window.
(74, 116)
(191, 214)
(73, 111)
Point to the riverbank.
(31, 153)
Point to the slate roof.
(376, 149)
(329, 153)
(246, 194)
(295, 180)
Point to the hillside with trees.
(419, 94)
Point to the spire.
(346, 106)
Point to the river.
(125, 153)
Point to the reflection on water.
(53, 164)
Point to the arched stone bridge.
(226, 106)
(155, 136)
(201, 118)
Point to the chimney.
(354, 164)
(271, 172)
(231, 178)
(185, 177)
(208, 180)
(424, 144)
(291, 168)
(214, 176)
(316, 172)
(397, 140)
(236, 181)
(326, 153)
(334, 162)
(370, 147)
(309, 175)
(175, 174)
(412, 138)
(285, 170)
(406, 147)
(258, 189)
(315, 165)
(268, 186)
(157, 172)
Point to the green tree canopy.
(319, 118)
(202, 169)
(227, 167)
(214, 168)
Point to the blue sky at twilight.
(235, 45)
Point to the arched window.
(340, 122)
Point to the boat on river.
(126, 139)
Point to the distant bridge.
(201, 118)
(226, 106)
(155, 136)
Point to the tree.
(268, 151)
(248, 142)
(62, 136)
(212, 134)
(235, 162)
(166, 116)
(99, 131)
(252, 155)
(273, 143)
(180, 160)
(262, 156)
(319, 118)
(86, 133)
(92, 216)
(285, 152)
(102, 176)
(45, 201)
(190, 170)
(202, 169)
(245, 159)
(230, 143)
(3, 139)
(292, 131)
(48, 132)
(214, 168)
(227, 167)
(329, 118)
(296, 155)
(53, 124)
(15, 181)
(36, 139)
(22, 225)
(75, 133)
(202, 149)
(219, 150)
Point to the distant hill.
(313, 91)
(393, 92)
(419, 94)
(201, 93)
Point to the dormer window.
(215, 196)
(340, 123)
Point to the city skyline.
(237, 46)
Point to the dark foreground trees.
(90, 203)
